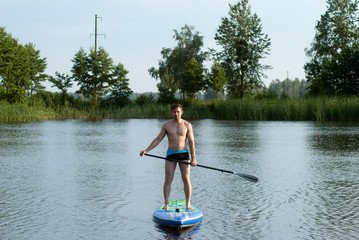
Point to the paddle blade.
(247, 177)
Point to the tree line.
(22, 73)
(288, 88)
(235, 69)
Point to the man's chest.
(177, 131)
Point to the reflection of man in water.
(177, 131)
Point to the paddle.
(245, 176)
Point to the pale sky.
(137, 30)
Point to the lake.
(77, 179)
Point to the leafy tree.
(37, 67)
(61, 81)
(337, 29)
(341, 74)
(92, 72)
(120, 86)
(173, 62)
(193, 79)
(243, 46)
(97, 75)
(15, 75)
(276, 87)
(21, 68)
(167, 88)
(144, 99)
(289, 88)
(217, 78)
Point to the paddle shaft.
(245, 176)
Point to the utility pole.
(96, 33)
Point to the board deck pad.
(177, 215)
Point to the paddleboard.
(177, 215)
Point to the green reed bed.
(244, 109)
(196, 111)
(154, 111)
(136, 111)
(72, 113)
(336, 109)
(248, 109)
(306, 109)
(24, 113)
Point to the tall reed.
(24, 113)
(289, 109)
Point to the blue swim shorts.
(180, 155)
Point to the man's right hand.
(143, 152)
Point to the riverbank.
(24, 113)
(305, 109)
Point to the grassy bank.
(306, 109)
(24, 113)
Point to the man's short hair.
(177, 105)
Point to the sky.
(135, 31)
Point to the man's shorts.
(180, 155)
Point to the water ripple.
(85, 180)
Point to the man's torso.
(177, 134)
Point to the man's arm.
(155, 141)
(192, 147)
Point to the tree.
(217, 78)
(167, 88)
(37, 67)
(337, 29)
(21, 68)
(145, 98)
(120, 86)
(173, 62)
(289, 88)
(341, 74)
(276, 87)
(97, 75)
(193, 79)
(243, 46)
(82, 73)
(61, 81)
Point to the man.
(178, 131)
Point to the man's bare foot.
(189, 207)
(166, 207)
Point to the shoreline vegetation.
(246, 109)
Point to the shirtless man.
(177, 131)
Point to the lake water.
(77, 179)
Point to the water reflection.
(336, 139)
(174, 233)
(335, 179)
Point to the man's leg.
(170, 168)
(186, 178)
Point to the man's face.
(177, 113)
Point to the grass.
(305, 109)
(24, 113)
